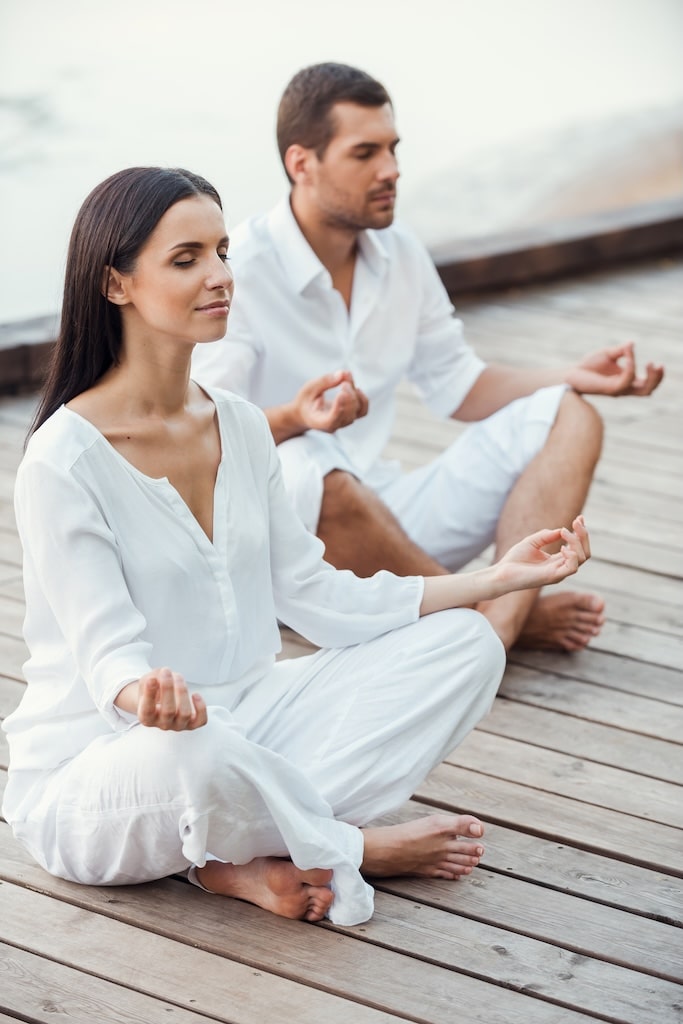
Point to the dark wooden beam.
(561, 248)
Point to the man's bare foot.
(428, 846)
(567, 621)
(274, 884)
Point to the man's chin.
(381, 218)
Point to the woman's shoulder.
(61, 439)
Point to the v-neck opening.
(163, 481)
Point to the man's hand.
(318, 412)
(161, 699)
(612, 371)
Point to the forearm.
(497, 386)
(463, 590)
(127, 698)
(285, 421)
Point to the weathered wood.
(577, 778)
(42, 991)
(13, 654)
(568, 869)
(582, 739)
(639, 714)
(167, 970)
(556, 249)
(11, 691)
(554, 816)
(337, 962)
(603, 668)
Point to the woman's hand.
(528, 565)
(162, 700)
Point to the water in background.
(87, 88)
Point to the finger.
(542, 538)
(147, 699)
(201, 714)
(363, 402)
(184, 708)
(580, 529)
(166, 702)
(573, 543)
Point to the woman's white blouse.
(120, 578)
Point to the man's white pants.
(451, 506)
(321, 745)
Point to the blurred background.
(511, 113)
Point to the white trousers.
(451, 506)
(321, 745)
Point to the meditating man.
(335, 304)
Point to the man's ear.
(113, 287)
(298, 161)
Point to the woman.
(156, 533)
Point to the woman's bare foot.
(567, 621)
(428, 846)
(274, 884)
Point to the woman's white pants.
(319, 746)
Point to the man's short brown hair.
(304, 115)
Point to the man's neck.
(334, 245)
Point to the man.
(335, 304)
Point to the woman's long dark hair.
(111, 228)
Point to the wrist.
(127, 697)
(285, 421)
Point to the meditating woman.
(157, 733)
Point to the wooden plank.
(555, 817)
(580, 926)
(564, 977)
(595, 784)
(165, 969)
(42, 991)
(314, 955)
(10, 548)
(643, 715)
(602, 668)
(590, 741)
(11, 615)
(11, 692)
(13, 654)
(563, 867)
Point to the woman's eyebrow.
(197, 245)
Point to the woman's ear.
(113, 286)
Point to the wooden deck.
(576, 913)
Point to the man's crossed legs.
(528, 466)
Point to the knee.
(476, 648)
(345, 499)
(584, 416)
(584, 422)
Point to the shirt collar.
(300, 263)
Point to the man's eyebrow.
(197, 245)
(374, 145)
